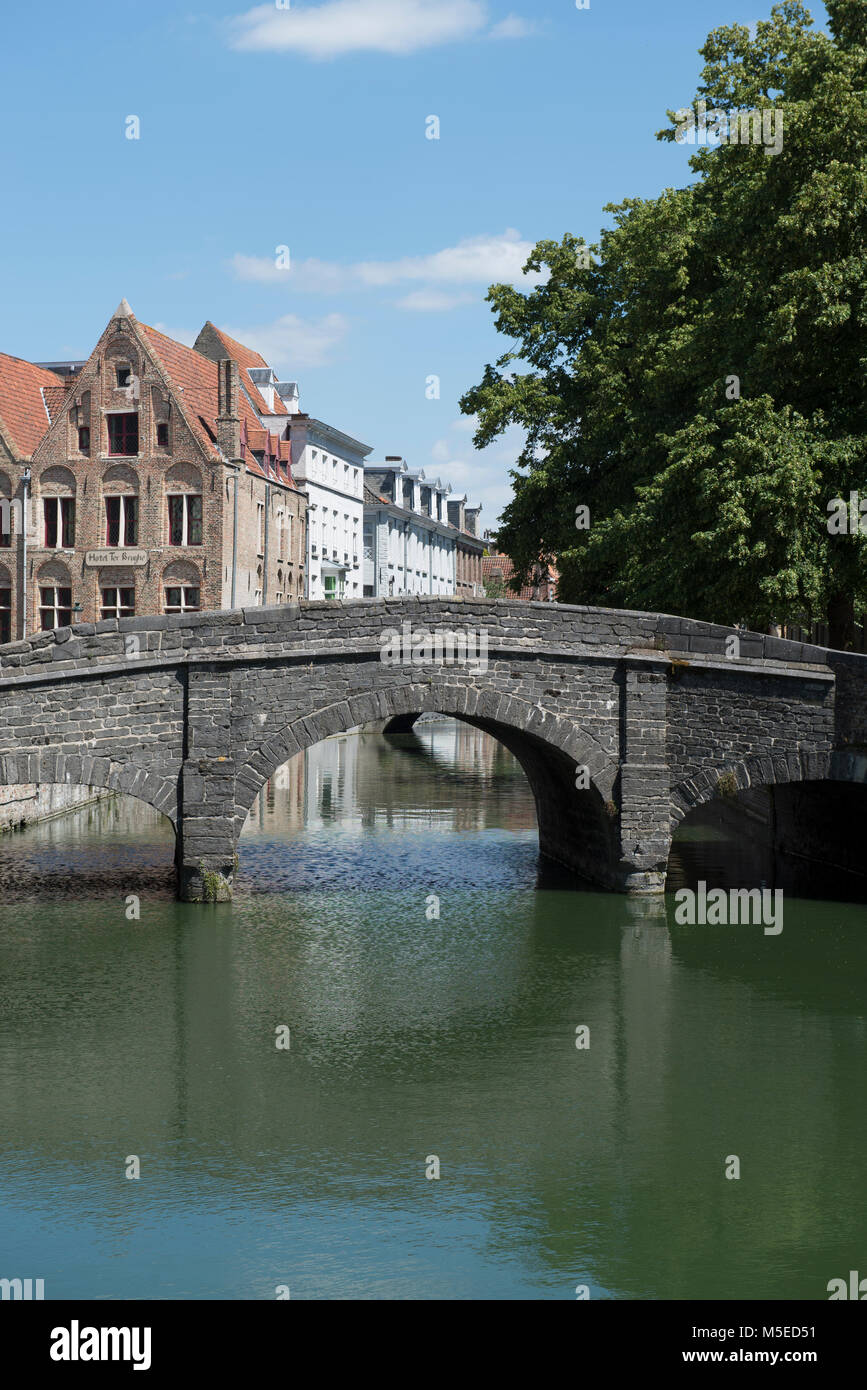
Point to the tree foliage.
(698, 379)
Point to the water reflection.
(413, 1035)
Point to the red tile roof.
(23, 413)
(266, 455)
(195, 379)
(54, 396)
(247, 358)
(501, 567)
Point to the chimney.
(228, 422)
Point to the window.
(6, 521)
(121, 521)
(182, 598)
(329, 583)
(123, 376)
(84, 439)
(162, 435)
(260, 527)
(5, 615)
(118, 603)
(185, 519)
(59, 513)
(123, 434)
(55, 607)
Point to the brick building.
(25, 392)
(154, 484)
(469, 548)
(498, 569)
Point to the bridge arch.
(763, 770)
(576, 827)
(81, 770)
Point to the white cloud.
(512, 27)
(483, 474)
(481, 260)
(261, 269)
(475, 260)
(432, 301)
(291, 342)
(355, 26)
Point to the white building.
(329, 466)
(410, 547)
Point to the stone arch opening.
(794, 822)
(80, 824)
(81, 770)
(577, 823)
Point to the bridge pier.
(206, 858)
(644, 781)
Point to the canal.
(427, 984)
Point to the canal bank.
(30, 804)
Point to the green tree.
(696, 378)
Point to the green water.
(413, 1036)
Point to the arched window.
(121, 505)
(184, 498)
(116, 592)
(5, 605)
(57, 492)
(6, 523)
(182, 588)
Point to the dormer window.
(123, 375)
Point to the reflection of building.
(417, 539)
(153, 486)
(363, 780)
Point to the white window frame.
(184, 607)
(185, 521)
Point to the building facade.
(159, 478)
(469, 548)
(409, 544)
(329, 465)
(26, 395)
(498, 569)
(418, 538)
(154, 488)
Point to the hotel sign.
(116, 557)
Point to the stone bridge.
(623, 722)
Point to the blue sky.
(304, 127)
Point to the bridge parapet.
(308, 625)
